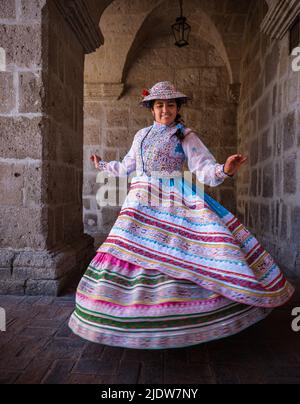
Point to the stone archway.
(111, 115)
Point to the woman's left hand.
(233, 163)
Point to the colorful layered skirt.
(177, 269)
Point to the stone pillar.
(42, 243)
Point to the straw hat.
(164, 90)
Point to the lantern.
(181, 29)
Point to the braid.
(180, 131)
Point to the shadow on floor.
(38, 347)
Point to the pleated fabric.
(175, 271)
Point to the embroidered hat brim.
(163, 90)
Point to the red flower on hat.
(145, 93)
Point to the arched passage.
(139, 51)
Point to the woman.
(178, 273)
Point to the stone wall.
(268, 191)
(110, 124)
(41, 234)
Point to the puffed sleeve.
(201, 162)
(120, 168)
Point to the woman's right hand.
(95, 159)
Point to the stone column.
(42, 243)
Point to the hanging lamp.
(181, 29)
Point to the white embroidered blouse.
(157, 149)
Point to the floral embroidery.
(160, 150)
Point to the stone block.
(259, 181)
(90, 185)
(93, 111)
(45, 288)
(5, 273)
(91, 133)
(289, 175)
(266, 148)
(117, 118)
(264, 112)
(32, 11)
(289, 130)
(254, 152)
(6, 258)
(86, 203)
(21, 137)
(8, 9)
(187, 78)
(7, 93)
(254, 215)
(209, 77)
(253, 186)
(274, 104)
(109, 216)
(11, 184)
(90, 221)
(268, 181)
(35, 188)
(44, 265)
(31, 92)
(27, 227)
(265, 218)
(293, 91)
(278, 178)
(23, 44)
(117, 138)
(277, 139)
(295, 225)
(25, 273)
(10, 287)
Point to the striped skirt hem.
(121, 304)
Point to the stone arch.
(109, 124)
(202, 26)
(136, 20)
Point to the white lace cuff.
(220, 172)
(102, 165)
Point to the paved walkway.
(38, 347)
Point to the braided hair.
(178, 120)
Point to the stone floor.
(38, 347)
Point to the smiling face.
(165, 111)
